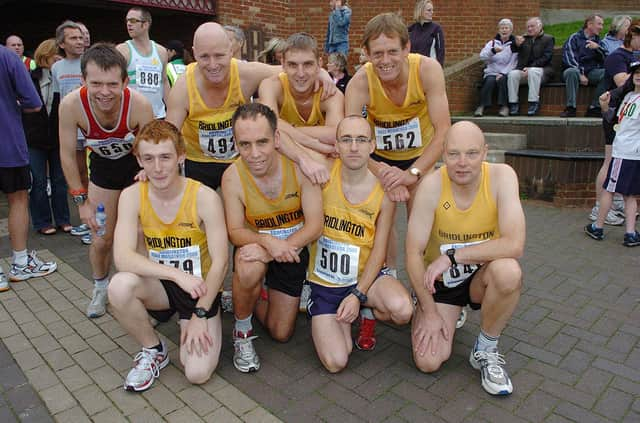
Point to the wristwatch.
(451, 254)
(359, 295)
(415, 172)
(79, 199)
(200, 312)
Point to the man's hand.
(254, 252)
(524, 72)
(195, 336)
(399, 194)
(349, 309)
(584, 80)
(592, 45)
(434, 271)
(87, 212)
(282, 251)
(328, 86)
(392, 177)
(429, 333)
(519, 40)
(316, 172)
(604, 100)
(499, 77)
(141, 176)
(192, 285)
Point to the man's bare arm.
(178, 103)
(68, 133)
(311, 202)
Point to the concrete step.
(495, 156)
(505, 141)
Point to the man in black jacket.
(535, 50)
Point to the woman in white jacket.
(500, 61)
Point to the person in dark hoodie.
(583, 63)
(535, 50)
(500, 61)
(426, 36)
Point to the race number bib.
(399, 138)
(282, 233)
(112, 148)
(454, 276)
(336, 262)
(186, 259)
(218, 143)
(148, 78)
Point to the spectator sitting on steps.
(500, 61)
(535, 50)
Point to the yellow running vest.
(181, 243)
(403, 131)
(289, 111)
(279, 217)
(338, 257)
(454, 228)
(207, 132)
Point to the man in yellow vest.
(346, 265)
(466, 231)
(13, 42)
(273, 211)
(303, 115)
(185, 265)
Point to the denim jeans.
(38, 200)
(571, 77)
(342, 47)
(489, 84)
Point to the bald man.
(204, 99)
(466, 231)
(13, 42)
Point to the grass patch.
(562, 31)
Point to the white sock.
(101, 283)
(485, 342)
(367, 313)
(20, 258)
(244, 325)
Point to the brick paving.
(572, 350)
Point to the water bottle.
(101, 220)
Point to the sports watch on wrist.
(200, 312)
(79, 199)
(359, 295)
(451, 254)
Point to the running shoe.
(618, 206)
(495, 379)
(631, 239)
(245, 357)
(80, 230)
(4, 283)
(462, 318)
(98, 305)
(86, 239)
(226, 301)
(149, 362)
(593, 232)
(366, 340)
(33, 269)
(304, 297)
(613, 218)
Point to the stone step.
(505, 141)
(495, 156)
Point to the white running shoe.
(304, 297)
(149, 362)
(98, 305)
(612, 218)
(495, 379)
(245, 357)
(33, 269)
(226, 301)
(462, 318)
(4, 282)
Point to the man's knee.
(505, 275)
(428, 363)
(122, 288)
(280, 332)
(401, 309)
(198, 375)
(335, 362)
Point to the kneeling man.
(346, 266)
(465, 232)
(186, 239)
(273, 211)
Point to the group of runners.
(309, 181)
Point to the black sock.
(157, 347)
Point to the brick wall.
(590, 5)
(467, 24)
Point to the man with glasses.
(346, 263)
(146, 61)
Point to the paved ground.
(572, 350)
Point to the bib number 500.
(330, 260)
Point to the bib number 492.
(222, 145)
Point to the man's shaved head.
(465, 131)
(210, 32)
